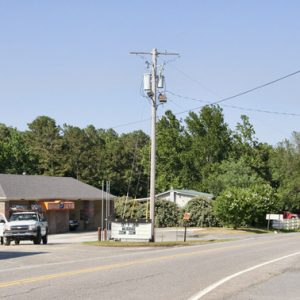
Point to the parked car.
(73, 225)
(28, 225)
(289, 215)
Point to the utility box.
(147, 82)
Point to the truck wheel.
(1, 240)
(17, 242)
(38, 238)
(45, 239)
(6, 241)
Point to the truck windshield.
(22, 217)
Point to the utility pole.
(153, 95)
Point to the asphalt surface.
(250, 267)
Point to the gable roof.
(187, 193)
(181, 192)
(36, 187)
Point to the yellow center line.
(122, 265)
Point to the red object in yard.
(289, 215)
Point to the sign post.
(186, 218)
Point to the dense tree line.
(90, 155)
(200, 152)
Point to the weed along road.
(265, 266)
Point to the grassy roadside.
(198, 236)
(231, 231)
(155, 244)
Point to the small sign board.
(129, 230)
(186, 216)
(274, 217)
(59, 205)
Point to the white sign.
(130, 231)
(274, 217)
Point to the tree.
(45, 142)
(201, 212)
(244, 138)
(239, 207)
(14, 153)
(123, 162)
(77, 148)
(231, 173)
(209, 142)
(170, 148)
(285, 166)
(133, 175)
(94, 157)
(245, 146)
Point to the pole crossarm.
(158, 53)
(167, 53)
(146, 53)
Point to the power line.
(232, 106)
(196, 81)
(225, 99)
(257, 87)
(210, 103)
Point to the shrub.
(201, 212)
(129, 209)
(166, 213)
(245, 206)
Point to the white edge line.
(213, 286)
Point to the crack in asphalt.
(133, 279)
(32, 289)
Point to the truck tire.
(1, 240)
(38, 238)
(6, 241)
(45, 238)
(17, 242)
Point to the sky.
(70, 60)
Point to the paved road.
(261, 267)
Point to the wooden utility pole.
(153, 95)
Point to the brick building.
(59, 198)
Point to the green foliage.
(45, 143)
(246, 147)
(14, 152)
(231, 173)
(133, 179)
(129, 209)
(170, 150)
(201, 212)
(199, 153)
(285, 166)
(90, 155)
(245, 206)
(166, 213)
(243, 138)
(208, 142)
(170, 146)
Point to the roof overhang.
(5, 199)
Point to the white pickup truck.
(26, 226)
(3, 221)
